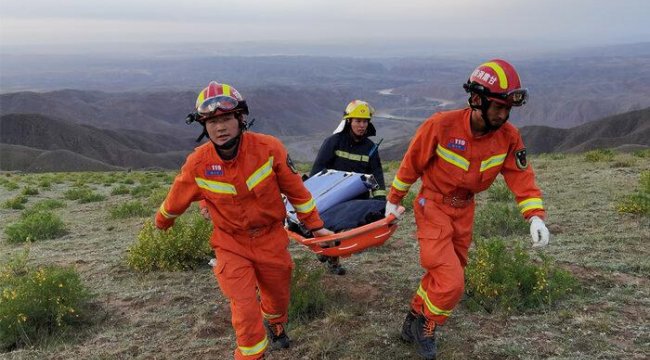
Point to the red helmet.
(217, 99)
(498, 81)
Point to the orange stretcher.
(346, 243)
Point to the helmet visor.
(217, 103)
(516, 97)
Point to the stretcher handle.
(387, 221)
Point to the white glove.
(392, 209)
(539, 232)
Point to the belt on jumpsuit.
(459, 198)
(254, 231)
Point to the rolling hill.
(99, 149)
(278, 110)
(29, 141)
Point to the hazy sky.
(582, 22)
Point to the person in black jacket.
(350, 149)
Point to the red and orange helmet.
(498, 81)
(217, 99)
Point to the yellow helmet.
(358, 109)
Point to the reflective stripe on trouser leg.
(236, 277)
(442, 286)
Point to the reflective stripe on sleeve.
(260, 174)
(166, 214)
(216, 186)
(305, 207)
(452, 158)
(400, 185)
(530, 204)
(379, 193)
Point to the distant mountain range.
(568, 88)
(129, 112)
(37, 143)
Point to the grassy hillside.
(173, 315)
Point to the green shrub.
(130, 209)
(120, 190)
(38, 302)
(499, 219)
(184, 246)
(15, 202)
(92, 197)
(599, 155)
(167, 178)
(644, 181)
(645, 153)
(35, 226)
(42, 205)
(80, 182)
(141, 191)
(28, 190)
(10, 185)
(44, 184)
(83, 195)
(499, 192)
(128, 181)
(309, 298)
(638, 203)
(76, 193)
(157, 197)
(58, 178)
(498, 278)
(624, 163)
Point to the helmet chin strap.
(228, 144)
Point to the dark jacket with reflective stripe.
(341, 152)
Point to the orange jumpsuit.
(247, 210)
(454, 165)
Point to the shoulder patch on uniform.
(520, 159)
(291, 165)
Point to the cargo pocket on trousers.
(430, 244)
(219, 273)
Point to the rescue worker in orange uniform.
(241, 175)
(457, 154)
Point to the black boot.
(407, 334)
(335, 266)
(424, 335)
(278, 336)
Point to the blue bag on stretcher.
(332, 187)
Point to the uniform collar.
(243, 141)
(467, 118)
